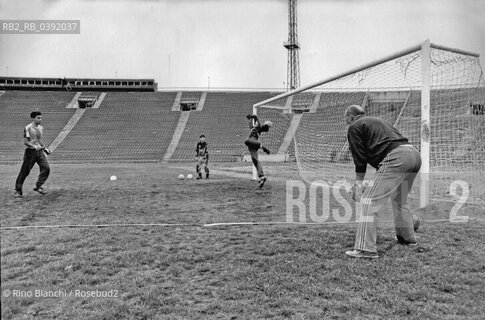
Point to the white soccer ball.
(113, 178)
(190, 177)
(181, 177)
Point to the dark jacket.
(370, 140)
(201, 149)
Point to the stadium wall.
(77, 84)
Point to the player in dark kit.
(254, 144)
(202, 156)
(35, 153)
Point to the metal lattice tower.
(293, 71)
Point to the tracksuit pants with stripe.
(394, 180)
(31, 157)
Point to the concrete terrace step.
(179, 130)
(67, 128)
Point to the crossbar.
(363, 67)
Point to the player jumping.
(254, 144)
(202, 156)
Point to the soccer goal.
(433, 94)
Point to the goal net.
(434, 95)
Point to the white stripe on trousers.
(365, 204)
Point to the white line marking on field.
(305, 223)
(270, 223)
(106, 225)
(207, 225)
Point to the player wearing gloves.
(34, 153)
(254, 144)
(202, 156)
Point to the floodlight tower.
(293, 68)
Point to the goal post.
(429, 92)
(425, 123)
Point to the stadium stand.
(189, 100)
(15, 108)
(139, 126)
(326, 137)
(128, 126)
(77, 84)
(136, 126)
(450, 115)
(223, 121)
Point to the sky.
(229, 43)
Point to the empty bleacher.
(15, 109)
(454, 135)
(139, 126)
(322, 135)
(223, 121)
(128, 126)
(136, 126)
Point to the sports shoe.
(262, 180)
(40, 190)
(362, 254)
(401, 240)
(18, 194)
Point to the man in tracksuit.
(376, 142)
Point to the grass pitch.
(144, 240)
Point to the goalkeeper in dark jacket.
(254, 144)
